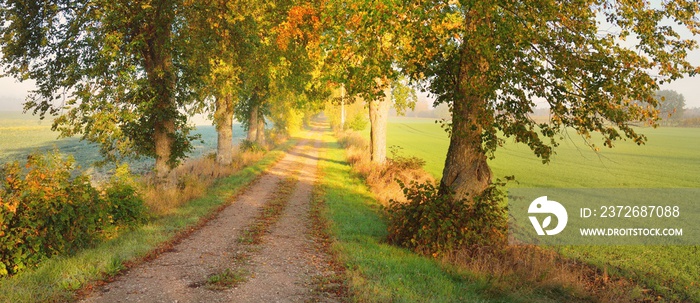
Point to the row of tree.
(126, 73)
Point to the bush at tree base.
(438, 225)
(251, 146)
(47, 209)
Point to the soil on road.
(282, 268)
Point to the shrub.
(440, 225)
(47, 208)
(126, 206)
(251, 146)
(191, 179)
(382, 178)
(357, 123)
(276, 138)
(404, 162)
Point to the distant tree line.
(424, 110)
(691, 117)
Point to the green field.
(22, 134)
(671, 158)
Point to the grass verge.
(375, 270)
(332, 284)
(59, 278)
(525, 270)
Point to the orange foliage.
(302, 24)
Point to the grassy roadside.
(58, 278)
(379, 272)
(669, 159)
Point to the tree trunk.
(163, 141)
(342, 114)
(342, 107)
(260, 132)
(253, 123)
(379, 117)
(466, 171)
(160, 70)
(223, 116)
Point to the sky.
(13, 93)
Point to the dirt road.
(281, 268)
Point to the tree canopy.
(671, 104)
(491, 60)
(117, 71)
(126, 75)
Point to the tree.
(360, 45)
(223, 119)
(671, 104)
(220, 27)
(117, 71)
(378, 120)
(251, 112)
(490, 59)
(403, 96)
(345, 115)
(280, 58)
(238, 40)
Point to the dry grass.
(526, 269)
(381, 178)
(190, 181)
(519, 269)
(275, 138)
